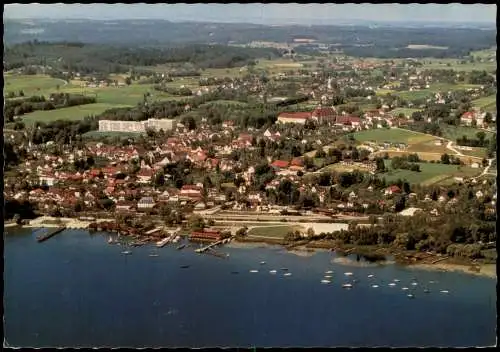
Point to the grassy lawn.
(488, 103)
(430, 173)
(343, 168)
(454, 132)
(73, 113)
(391, 135)
(273, 231)
(477, 152)
(31, 84)
(454, 64)
(405, 111)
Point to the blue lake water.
(76, 290)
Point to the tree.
(128, 81)
(196, 223)
(380, 165)
(445, 158)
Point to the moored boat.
(347, 285)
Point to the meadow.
(454, 132)
(74, 113)
(488, 104)
(430, 173)
(273, 231)
(392, 135)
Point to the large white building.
(135, 126)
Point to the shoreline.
(310, 248)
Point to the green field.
(430, 173)
(405, 111)
(392, 136)
(454, 132)
(273, 231)
(488, 103)
(423, 93)
(74, 113)
(32, 84)
(454, 64)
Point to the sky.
(307, 14)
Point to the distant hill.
(389, 40)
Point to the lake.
(76, 290)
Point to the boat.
(348, 274)
(427, 290)
(284, 269)
(272, 271)
(110, 240)
(184, 266)
(444, 291)
(405, 288)
(432, 282)
(329, 272)
(375, 286)
(347, 285)
(181, 246)
(392, 284)
(370, 276)
(355, 280)
(162, 242)
(396, 280)
(409, 295)
(325, 281)
(153, 255)
(328, 276)
(127, 252)
(262, 263)
(254, 271)
(414, 283)
(287, 274)
(235, 272)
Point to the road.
(486, 169)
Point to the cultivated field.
(430, 173)
(404, 111)
(392, 135)
(74, 113)
(31, 84)
(488, 103)
(454, 132)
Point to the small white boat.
(328, 276)
(348, 274)
(325, 281)
(392, 284)
(127, 252)
(405, 288)
(272, 271)
(254, 271)
(329, 272)
(432, 282)
(427, 290)
(375, 286)
(262, 263)
(409, 295)
(370, 276)
(444, 291)
(347, 285)
(414, 283)
(287, 274)
(162, 242)
(110, 240)
(396, 280)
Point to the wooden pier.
(210, 246)
(50, 234)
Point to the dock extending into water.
(210, 246)
(50, 234)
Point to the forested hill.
(90, 58)
(360, 40)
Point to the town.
(297, 150)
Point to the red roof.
(324, 112)
(190, 187)
(295, 115)
(297, 161)
(394, 189)
(468, 115)
(245, 137)
(280, 164)
(347, 120)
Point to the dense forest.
(92, 58)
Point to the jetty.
(210, 246)
(50, 234)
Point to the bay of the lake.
(77, 290)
